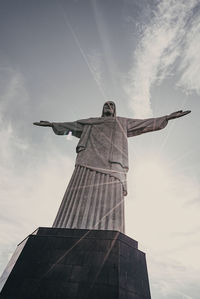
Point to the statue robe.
(103, 142)
(94, 198)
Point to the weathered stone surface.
(59, 263)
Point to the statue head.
(109, 109)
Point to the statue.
(94, 198)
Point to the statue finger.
(178, 112)
(43, 123)
(184, 113)
(187, 112)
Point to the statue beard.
(108, 113)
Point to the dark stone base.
(60, 263)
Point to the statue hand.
(177, 114)
(43, 123)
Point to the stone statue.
(94, 198)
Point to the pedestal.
(60, 263)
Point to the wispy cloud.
(13, 93)
(189, 64)
(158, 211)
(158, 48)
(32, 181)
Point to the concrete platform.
(60, 263)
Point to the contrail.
(82, 51)
(156, 52)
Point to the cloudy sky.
(60, 61)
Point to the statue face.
(108, 109)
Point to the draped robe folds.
(103, 144)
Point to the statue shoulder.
(122, 120)
(102, 120)
(89, 121)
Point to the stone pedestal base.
(60, 263)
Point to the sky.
(60, 61)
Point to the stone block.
(59, 263)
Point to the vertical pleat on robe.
(93, 200)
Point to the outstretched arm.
(139, 126)
(63, 128)
(177, 114)
(43, 123)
